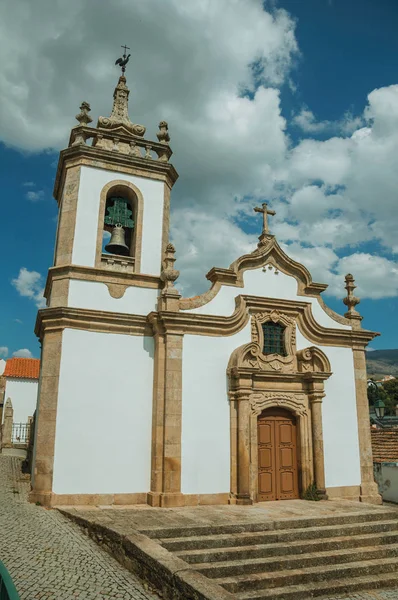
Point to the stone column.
(243, 458)
(7, 425)
(171, 494)
(369, 489)
(2, 392)
(315, 399)
(46, 416)
(157, 421)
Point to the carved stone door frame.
(297, 405)
(258, 382)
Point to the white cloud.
(22, 353)
(230, 147)
(194, 52)
(30, 285)
(29, 184)
(35, 196)
(308, 123)
(3, 351)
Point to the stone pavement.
(48, 557)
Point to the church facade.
(253, 391)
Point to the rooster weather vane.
(122, 62)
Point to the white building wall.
(23, 394)
(386, 476)
(104, 416)
(339, 417)
(95, 296)
(205, 443)
(92, 182)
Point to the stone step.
(338, 587)
(213, 555)
(273, 537)
(310, 575)
(233, 568)
(288, 523)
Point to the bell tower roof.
(119, 119)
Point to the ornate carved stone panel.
(255, 357)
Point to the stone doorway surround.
(258, 382)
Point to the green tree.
(381, 394)
(391, 389)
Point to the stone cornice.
(213, 325)
(258, 376)
(267, 253)
(105, 159)
(177, 323)
(50, 320)
(101, 276)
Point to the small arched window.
(274, 338)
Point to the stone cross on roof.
(265, 212)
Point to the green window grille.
(274, 338)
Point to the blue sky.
(321, 60)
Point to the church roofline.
(268, 252)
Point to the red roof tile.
(385, 445)
(27, 368)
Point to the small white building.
(21, 385)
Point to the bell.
(117, 243)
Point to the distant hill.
(382, 362)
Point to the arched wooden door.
(277, 455)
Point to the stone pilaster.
(46, 418)
(6, 441)
(243, 449)
(369, 488)
(167, 418)
(171, 495)
(315, 398)
(157, 421)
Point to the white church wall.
(104, 416)
(23, 394)
(92, 182)
(267, 284)
(206, 412)
(339, 417)
(95, 296)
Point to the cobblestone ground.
(48, 557)
(391, 594)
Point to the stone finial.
(351, 301)
(83, 117)
(120, 115)
(163, 133)
(169, 274)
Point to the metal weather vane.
(122, 62)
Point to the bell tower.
(111, 182)
(113, 192)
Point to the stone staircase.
(293, 559)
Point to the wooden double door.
(277, 455)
